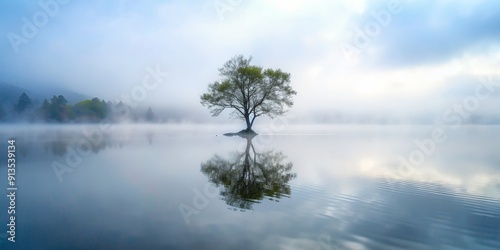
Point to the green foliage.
(58, 109)
(90, 110)
(250, 91)
(23, 104)
(249, 177)
(44, 110)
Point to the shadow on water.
(245, 178)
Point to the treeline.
(57, 110)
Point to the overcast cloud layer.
(404, 58)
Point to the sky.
(387, 58)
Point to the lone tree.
(250, 91)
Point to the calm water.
(303, 187)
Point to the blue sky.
(426, 56)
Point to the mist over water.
(183, 187)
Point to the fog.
(350, 61)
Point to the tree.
(250, 91)
(149, 115)
(90, 110)
(58, 109)
(119, 112)
(248, 177)
(24, 103)
(44, 110)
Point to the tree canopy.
(58, 110)
(90, 110)
(24, 103)
(149, 115)
(250, 91)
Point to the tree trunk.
(249, 124)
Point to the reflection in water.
(248, 177)
(58, 143)
(149, 136)
(348, 195)
(58, 146)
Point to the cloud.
(102, 49)
(433, 32)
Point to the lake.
(291, 187)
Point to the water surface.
(304, 187)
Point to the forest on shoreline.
(58, 110)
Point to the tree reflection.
(58, 145)
(247, 177)
(58, 142)
(150, 135)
